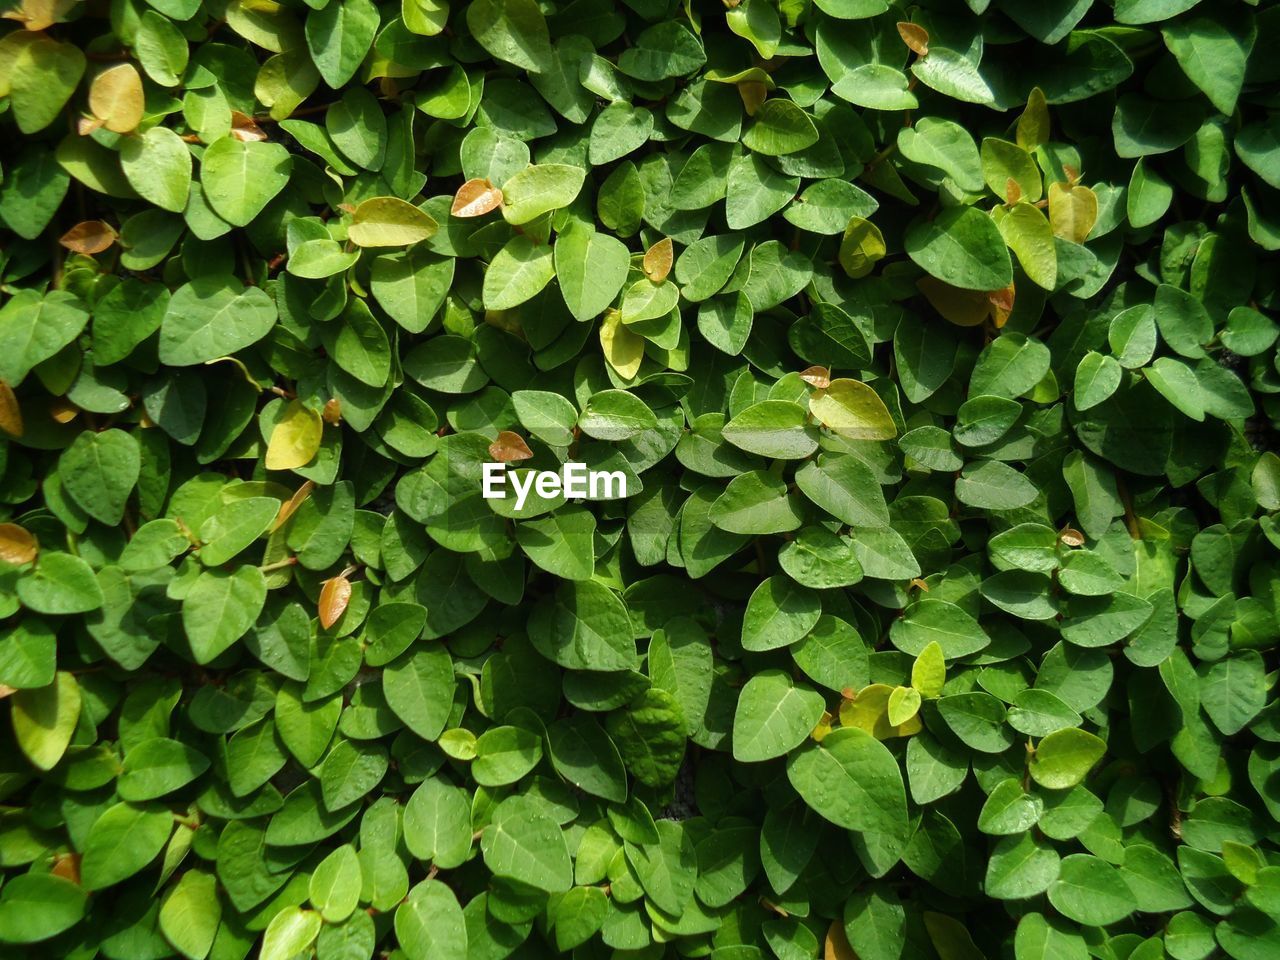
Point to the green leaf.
(419, 689)
(220, 608)
(39, 906)
(157, 164)
(240, 178)
(1091, 891)
(339, 34)
(590, 268)
(963, 247)
(650, 735)
(1062, 759)
(99, 471)
(60, 584)
(774, 716)
(773, 428)
(584, 755)
(437, 822)
(158, 766)
(779, 127)
(504, 755)
(852, 780)
(36, 327)
(124, 840)
(290, 932)
(211, 317)
(778, 614)
(1213, 54)
(1027, 232)
(190, 914)
(524, 844)
(615, 415)
(517, 273)
(539, 189)
(514, 31)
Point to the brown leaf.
(920, 584)
(10, 411)
(332, 412)
(816, 376)
(63, 410)
(475, 198)
(657, 260)
(1012, 191)
(1071, 537)
(334, 597)
(292, 504)
(67, 866)
(915, 37)
(509, 448)
(244, 128)
(86, 125)
(89, 237)
(1001, 304)
(17, 546)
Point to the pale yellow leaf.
(295, 439)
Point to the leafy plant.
(935, 345)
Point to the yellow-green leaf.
(860, 247)
(904, 703)
(1033, 125)
(1027, 232)
(852, 409)
(389, 222)
(1072, 211)
(929, 672)
(44, 719)
(295, 439)
(623, 349)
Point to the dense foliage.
(935, 344)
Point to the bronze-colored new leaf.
(475, 198)
(288, 508)
(915, 37)
(1070, 537)
(816, 376)
(657, 260)
(509, 448)
(334, 597)
(1000, 303)
(89, 237)
(17, 545)
(245, 128)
